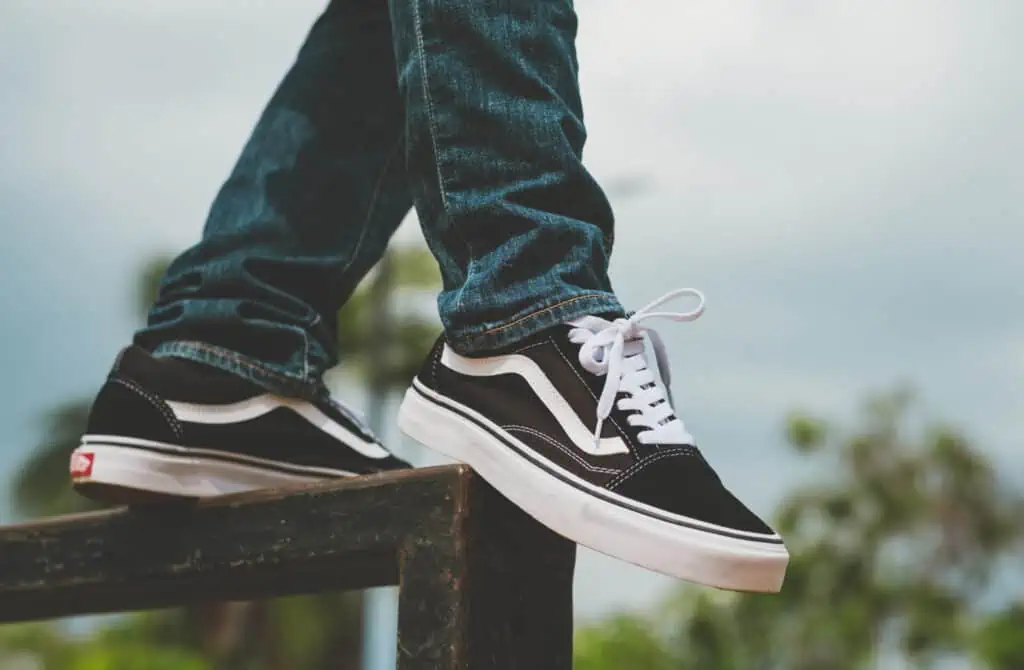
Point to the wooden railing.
(481, 585)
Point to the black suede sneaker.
(169, 428)
(576, 426)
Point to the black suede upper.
(682, 482)
(673, 478)
(133, 404)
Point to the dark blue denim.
(468, 110)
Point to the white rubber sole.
(119, 469)
(676, 546)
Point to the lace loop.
(617, 350)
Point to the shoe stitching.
(568, 451)
(241, 360)
(529, 346)
(172, 421)
(540, 312)
(642, 465)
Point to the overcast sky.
(842, 179)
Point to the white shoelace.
(617, 349)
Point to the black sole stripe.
(227, 457)
(558, 474)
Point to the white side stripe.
(264, 404)
(582, 437)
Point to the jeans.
(468, 110)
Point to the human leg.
(541, 383)
(308, 208)
(244, 324)
(521, 230)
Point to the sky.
(841, 179)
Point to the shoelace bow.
(616, 349)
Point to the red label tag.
(81, 463)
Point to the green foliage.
(137, 656)
(999, 641)
(43, 646)
(805, 434)
(34, 646)
(621, 642)
(388, 351)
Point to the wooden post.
(498, 590)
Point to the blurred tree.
(100, 655)
(892, 550)
(390, 356)
(999, 640)
(43, 646)
(622, 642)
(34, 646)
(311, 632)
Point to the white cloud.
(762, 124)
(141, 110)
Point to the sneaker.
(576, 426)
(170, 428)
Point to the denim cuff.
(479, 341)
(271, 378)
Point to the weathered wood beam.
(482, 585)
